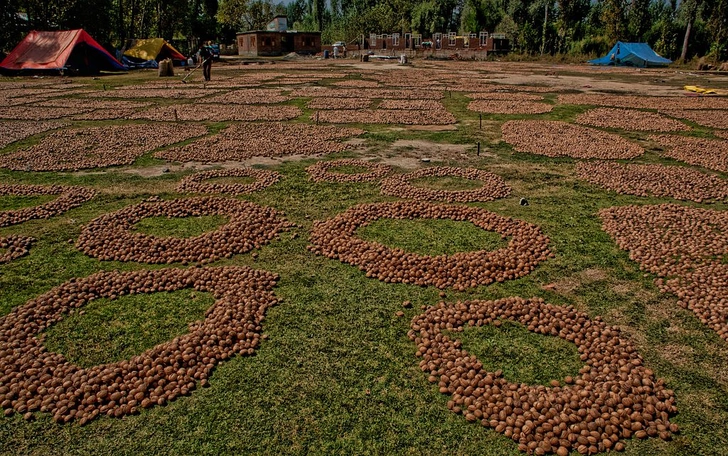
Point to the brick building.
(277, 40)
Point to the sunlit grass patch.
(112, 330)
(11, 202)
(431, 236)
(179, 227)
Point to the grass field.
(336, 372)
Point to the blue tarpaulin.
(632, 54)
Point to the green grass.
(179, 227)
(11, 202)
(113, 330)
(337, 373)
(431, 237)
(523, 356)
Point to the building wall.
(270, 44)
(307, 43)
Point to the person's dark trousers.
(207, 69)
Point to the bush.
(593, 45)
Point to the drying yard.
(335, 257)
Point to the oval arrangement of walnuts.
(336, 238)
(615, 397)
(493, 186)
(36, 379)
(196, 183)
(68, 198)
(111, 236)
(324, 171)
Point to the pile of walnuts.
(35, 379)
(68, 198)
(238, 142)
(101, 109)
(509, 106)
(97, 147)
(686, 247)
(250, 96)
(339, 103)
(15, 131)
(336, 238)
(505, 96)
(386, 116)
(321, 171)
(195, 183)
(217, 113)
(561, 139)
(614, 398)
(14, 246)
(643, 102)
(39, 112)
(150, 91)
(493, 186)
(629, 119)
(712, 118)
(111, 236)
(708, 153)
(412, 105)
(336, 92)
(654, 180)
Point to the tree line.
(677, 29)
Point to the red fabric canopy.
(51, 51)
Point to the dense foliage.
(675, 28)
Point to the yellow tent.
(153, 49)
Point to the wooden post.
(480, 117)
(478, 148)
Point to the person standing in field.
(205, 55)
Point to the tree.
(718, 27)
(480, 15)
(246, 15)
(689, 10)
(426, 18)
(638, 15)
(571, 14)
(10, 25)
(613, 18)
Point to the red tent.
(72, 50)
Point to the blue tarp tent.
(632, 54)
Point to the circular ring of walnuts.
(614, 397)
(16, 246)
(68, 198)
(320, 172)
(493, 185)
(38, 380)
(195, 183)
(110, 236)
(336, 238)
